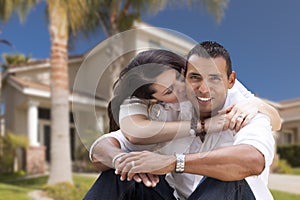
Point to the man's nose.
(203, 87)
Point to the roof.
(28, 87)
(290, 103)
(36, 64)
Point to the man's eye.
(215, 78)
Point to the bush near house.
(82, 161)
(10, 144)
(290, 153)
(282, 166)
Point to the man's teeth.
(203, 99)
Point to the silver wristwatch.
(179, 163)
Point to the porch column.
(32, 123)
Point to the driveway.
(285, 183)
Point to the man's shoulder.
(260, 118)
(233, 97)
(259, 124)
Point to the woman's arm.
(249, 108)
(138, 129)
(252, 106)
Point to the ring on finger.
(240, 116)
(132, 163)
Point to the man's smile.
(204, 99)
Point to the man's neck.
(204, 116)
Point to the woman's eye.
(194, 77)
(168, 92)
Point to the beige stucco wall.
(41, 75)
(15, 112)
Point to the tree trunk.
(60, 167)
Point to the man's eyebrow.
(219, 75)
(194, 73)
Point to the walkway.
(285, 183)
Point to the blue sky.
(263, 38)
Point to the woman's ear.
(231, 79)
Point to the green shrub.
(9, 144)
(82, 161)
(290, 153)
(283, 167)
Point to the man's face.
(207, 83)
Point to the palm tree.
(6, 42)
(15, 59)
(64, 17)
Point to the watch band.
(180, 158)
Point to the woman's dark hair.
(138, 77)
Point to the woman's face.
(169, 87)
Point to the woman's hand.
(241, 113)
(217, 123)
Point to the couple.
(207, 154)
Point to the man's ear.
(231, 80)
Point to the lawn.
(284, 196)
(18, 189)
(295, 170)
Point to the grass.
(11, 192)
(18, 189)
(278, 195)
(295, 170)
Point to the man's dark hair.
(211, 49)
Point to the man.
(209, 76)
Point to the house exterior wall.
(290, 113)
(15, 113)
(72, 70)
(161, 38)
(7, 98)
(290, 133)
(41, 75)
(20, 122)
